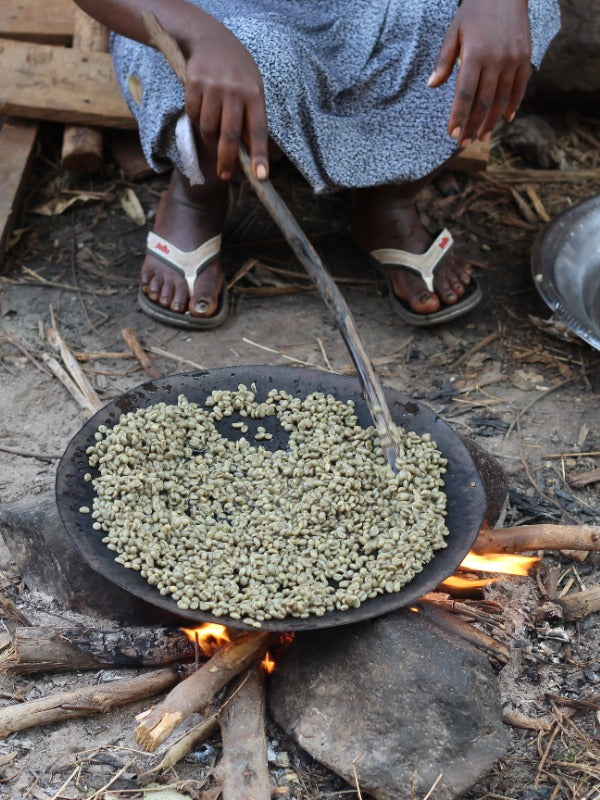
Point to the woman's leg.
(386, 216)
(187, 217)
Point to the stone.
(49, 562)
(397, 700)
(570, 71)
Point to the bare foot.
(386, 216)
(187, 217)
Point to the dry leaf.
(58, 205)
(525, 379)
(132, 206)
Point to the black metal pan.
(463, 485)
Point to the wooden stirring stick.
(308, 257)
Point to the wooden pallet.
(47, 22)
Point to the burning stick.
(243, 771)
(84, 702)
(56, 649)
(538, 537)
(194, 693)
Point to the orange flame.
(503, 563)
(209, 637)
(268, 664)
(499, 562)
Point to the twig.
(59, 792)
(60, 345)
(355, 773)
(136, 348)
(435, 783)
(181, 748)
(70, 385)
(26, 454)
(479, 346)
(20, 346)
(248, 264)
(324, 354)
(166, 354)
(545, 755)
(277, 352)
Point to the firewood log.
(243, 771)
(196, 692)
(84, 702)
(62, 649)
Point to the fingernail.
(456, 132)
(424, 297)
(261, 172)
(512, 116)
(431, 79)
(225, 176)
(177, 307)
(465, 143)
(486, 136)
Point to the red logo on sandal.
(443, 242)
(162, 247)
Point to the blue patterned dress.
(345, 84)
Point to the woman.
(369, 95)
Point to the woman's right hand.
(224, 98)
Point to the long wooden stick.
(243, 771)
(538, 537)
(308, 257)
(196, 692)
(84, 702)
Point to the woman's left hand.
(491, 42)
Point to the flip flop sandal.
(190, 265)
(425, 265)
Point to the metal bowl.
(565, 264)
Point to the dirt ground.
(522, 391)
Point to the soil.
(525, 391)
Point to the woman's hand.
(225, 100)
(493, 43)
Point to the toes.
(205, 300)
(412, 290)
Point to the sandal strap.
(190, 264)
(424, 263)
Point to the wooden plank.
(48, 21)
(473, 158)
(17, 143)
(41, 81)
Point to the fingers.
(224, 120)
(446, 59)
(258, 137)
(518, 92)
(482, 98)
(229, 136)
